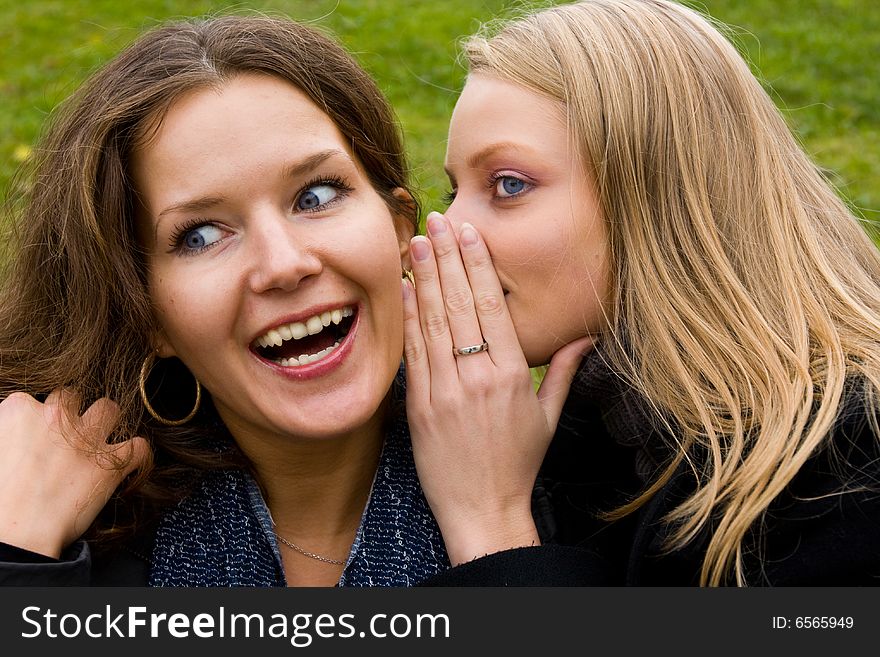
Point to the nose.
(280, 254)
(467, 207)
(456, 214)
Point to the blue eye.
(507, 186)
(316, 196)
(200, 237)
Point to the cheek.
(379, 271)
(388, 294)
(528, 260)
(188, 308)
(373, 250)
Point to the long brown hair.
(747, 295)
(74, 307)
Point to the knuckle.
(435, 326)
(410, 313)
(413, 352)
(480, 384)
(68, 398)
(418, 416)
(490, 304)
(424, 276)
(521, 378)
(107, 409)
(479, 259)
(444, 401)
(442, 247)
(18, 399)
(519, 373)
(459, 301)
(134, 453)
(106, 404)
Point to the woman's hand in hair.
(57, 469)
(479, 429)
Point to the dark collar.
(625, 413)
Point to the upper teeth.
(296, 330)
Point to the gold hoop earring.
(142, 384)
(407, 273)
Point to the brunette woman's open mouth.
(302, 343)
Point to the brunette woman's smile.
(275, 268)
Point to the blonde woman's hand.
(50, 489)
(479, 429)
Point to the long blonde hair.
(747, 295)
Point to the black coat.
(607, 448)
(604, 451)
(127, 566)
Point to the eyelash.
(179, 236)
(337, 182)
(491, 183)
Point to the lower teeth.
(305, 359)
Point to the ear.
(161, 345)
(405, 220)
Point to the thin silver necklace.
(310, 555)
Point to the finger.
(557, 381)
(432, 313)
(62, 406)
(114, 465)
(496, 324)
(99, 420)
(18, 403)
(418, 371)
(118, 460)
(71, 401)
(135, 453)
(457, 295)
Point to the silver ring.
(474, 349)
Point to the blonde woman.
(634, 185)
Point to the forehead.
(235, 141)
(246, 105)
(490, 110)
(252, 125)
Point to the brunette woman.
(208, 257)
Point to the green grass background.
(819, 58)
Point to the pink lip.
(324, 366)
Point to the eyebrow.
(195, 205)
(313, 161)
(474, 159)
(292, 171)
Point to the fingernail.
(406, 289)
(436, 224)
(419, 249)
(467, 235)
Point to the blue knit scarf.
(222, 534)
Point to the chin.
(330, 427)
(325, 417)
(537, 357)
(539, 352)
